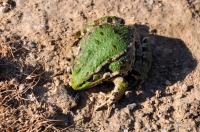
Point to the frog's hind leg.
(119, 90)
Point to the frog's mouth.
(94, 80)
(82, 86)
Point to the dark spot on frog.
(100, 26)
(114, 46)
(102, 33)
(97, 41)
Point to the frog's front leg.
(116, 93)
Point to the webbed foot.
(114, 96)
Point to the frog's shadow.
(172, 61)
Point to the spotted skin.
(108, 50)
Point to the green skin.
(97, 51)
(107, 54)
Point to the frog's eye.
(121, 21)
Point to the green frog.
(108, 50)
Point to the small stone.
(128, 93)
(158, 93)
(31, 97)
(131, 106)
(20, 2)
(151, 2)
(168, 83)
(88, 4)
(91, 99)
(98, 115)
(4, 9)
(160, 4)
(178, 124)
(31, 44)
(184, 87)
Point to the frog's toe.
(107, 101)
(107, 104)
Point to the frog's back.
(97, 48)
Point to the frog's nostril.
(122, 21)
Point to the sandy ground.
(34, 38)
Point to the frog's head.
(83, 79)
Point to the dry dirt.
(34, 38)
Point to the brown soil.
(34, 38)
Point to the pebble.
(168, 83)
(98, 115)
(184, 87)
(31, 44)
(4, 9)
(88, 4)
(91, 99)
(131, 106)
(128, 93)
(20, 2)
(151, 2)
(31, 97)
(158, 93)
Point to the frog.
(108, 50)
